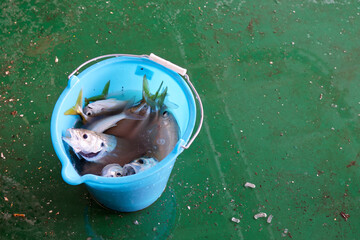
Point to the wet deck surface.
(280, 85)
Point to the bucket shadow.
(153, 222)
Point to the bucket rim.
(67, 166)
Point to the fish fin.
(146, 90)
(157, 92)
(170, 104)
(71, 111)
(102, 96)
(74, 110)
(95, 98)
(106, 89)
(162, 97)
(156, 100)
(79, 99)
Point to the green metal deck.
(280, 86)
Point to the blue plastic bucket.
(135, 192)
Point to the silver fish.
(77, 108)
(112, 170)
(106, 106)
(90, 145)
(123, 124)
(100, 123)
(107, 122)
(138, 165)
(102, 148)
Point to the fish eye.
(89, 113)
(102, 144)
(85, 136)
(141, 161)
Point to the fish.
(162, 135)
(138, 165)
(139, 111)
(112, 170)
(90, 145)
(159, 130)
(130, 128)
(77, 109)
(102, 148)
(106, 122)
(102, 114)
(104, 107)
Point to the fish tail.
(146, 91)
(155, 100)
(77, 108)
(157, 92)
(74, 110)
(102, 96)
(106, 89)
(162, 97)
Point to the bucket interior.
(126, 76)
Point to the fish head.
(89, 111)
(104, 106)
(166, 117)
(165, 135)
(92, 146)
(138, 165)
(112, 170)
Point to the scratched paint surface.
(280, 85)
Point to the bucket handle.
(201, 111)
(181, 71)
